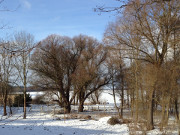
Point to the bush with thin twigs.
(113, 121)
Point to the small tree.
(6, 71)
(23, 44)
(95, 97)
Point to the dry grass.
(75, 116)
(137, 128)
(126, 121)
(100, 115)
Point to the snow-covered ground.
(40, 122)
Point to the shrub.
(113, 121)
(19, 100)
(38, 100)
(86, 117)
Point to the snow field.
(39, 123)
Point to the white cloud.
(26, 4)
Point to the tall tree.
(23, 44)
(90, 75)
(152, 24)
(6, 72)
(116, 69)
(57, 61)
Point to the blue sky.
(64, 17)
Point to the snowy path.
(40, 123)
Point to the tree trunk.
(176, 108)
(5, 112)
(128, 97)
(60, 99)
(132, 102)
(114, 97)
(136, 90)
(74, 101)
(162, 114)
(81, 106)
(150, 122)
(81, 101)
(67, 108)
(142, 97)
(77, 98)
(24, 116)
(168, 108)
(122, 98)
(5, 104)
(97, 99)
(10, 106)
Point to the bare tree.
(90, 75)
(95, 97)
(151, 24)
(6, 72)
(117, 69)
(23, 44)
(57, 61)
